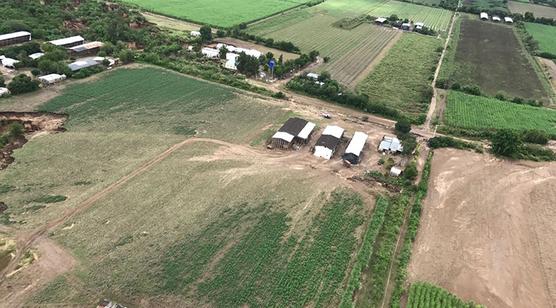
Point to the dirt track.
(487, 231)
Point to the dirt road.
(487, 230)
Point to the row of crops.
(482, 113)
(425, 295)
(435, 18)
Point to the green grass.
(545, 35)
(402, 79)
(425, 295)
(481, 113)
(218, 13)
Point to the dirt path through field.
(487, 230)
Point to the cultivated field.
(487, 232)
(481, 113)
(172, 191)
(545, 35)
(218, 13)
(490, 56)
(425, 295)
(350, 51)
(537, 10)
(402, 79)
(435, 18)
(486, 4)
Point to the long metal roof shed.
(294, 127)
(82, 63)
(9, 36)
(327, 143)
(68, 41)
(355, 147)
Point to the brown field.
(537, 10)
(490, 56)
(487, 231)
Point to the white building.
(4, 92)
(395, 171)
(51, 79)
(419, 25)
(14, 38)
(380, 20)
(69, 41)
(237, 50)
(231, 61)
(496, 19)
(210, 52)
(355, 147)
(328, 141)
(314, 76)
(390, 144)
(8, 62)
(508, 20)
(483, 16)
(195, 33)
(36, 55)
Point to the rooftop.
(67, 40)
(8, 36)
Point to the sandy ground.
(170, 23)
(487, 231)
(550, 67)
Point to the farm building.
(294, 131)
(355, 147)
(69, 41)
(238, 50)
(231, 59)
(483, 16)
(4, 91)
(496, 19)
(395, 171)
(195, 33)
(51, 79)
(390, 145)
(36, 55)
(419, 25)
(210, 52)
(8, 62)
(83, 63)
(508, 20)
(314, 76)
(406, 26)
(328, 141)
(380, 20)
(87, 49)
(14, 38)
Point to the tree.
(23, 84)
(403, 126)
(126, 55)
(410, 171)
(506, 142)
(535, 136)
(247, 65)
(223, 52)
(206, 34)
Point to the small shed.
(8, 62)
(355, 147)
(14, 38)
(4, 91)
(390, 145)
(314, 76)
(496, 19)
(231, 61)
(406, 26)
(419, 25)
(83, 63)
(380, 20)
(395, 171)
(36, 55)
(51, 79)
(483, 16)
(210, 52)
(195, 33)
(69, 41)
(294, 131)
(508, 20)
(328, 141)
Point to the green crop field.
(425, 295)
(545, 35)
(435, 18)
(402, 79)
(216, 222)
(500, 66)
(537, 10)
(481, 113)
(218, 13)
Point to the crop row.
(426, 295)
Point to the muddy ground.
(487, 230)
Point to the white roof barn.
(51, 78)
(508, 20)
(9, 36)
(237, 50)
(195, 33)
(83, 63)
(231, 61)
(483, 16)
(294, 129)
(328, 141)
(355, 147)
(496, 18)
(210, 52)
(313, 76)
(8, 62)
(395, 171)
(69, 41)
(36, 55)
(390, 144)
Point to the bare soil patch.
(550, 68)
(487, 232)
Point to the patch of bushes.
(50, 199)
(88, 71)
(449, 142)
(22, 84)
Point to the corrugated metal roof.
(67, 40)
(284, 136)
(333, 130)
(306, 131)
(391, 144)
(323, 152)
(13, 35)
(51, 78)
(87, 46)
(82, 63)
(357, 143)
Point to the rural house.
(328, 141)
(69, 41)
(14, 38)
(355, 147)
(294, 132)
(390, 145)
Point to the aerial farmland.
(325, 153)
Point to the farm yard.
(218, 13)
(350, 51)
(487, 231)
(537, 10)
(402, 79)
(478, 113)
(545, 35)
(477, 62)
